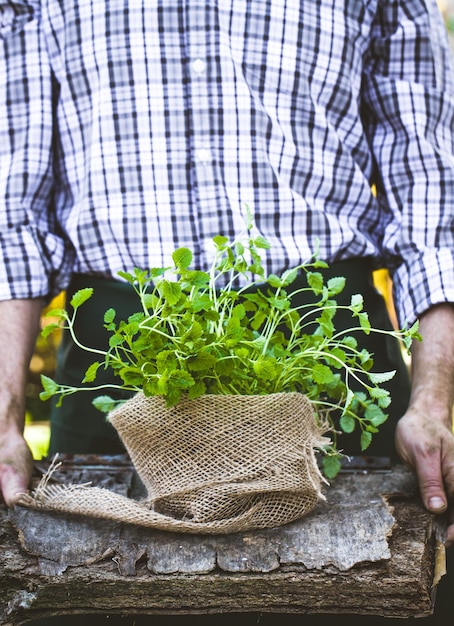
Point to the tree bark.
(370, 549)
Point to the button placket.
(202, 47)
(203, 155)
(198, 66)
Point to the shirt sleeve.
(409, 118)
(31, 250)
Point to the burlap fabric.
(218, 464)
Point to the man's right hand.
(16, 464)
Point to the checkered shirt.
(131, 128)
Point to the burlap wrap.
(218, 464)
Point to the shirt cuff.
(32, 264)
(15, 15)
(422, 281)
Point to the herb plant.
(197, 332)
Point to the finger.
(12, 485)
(431, 487)
(449, 542)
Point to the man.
(130, 129)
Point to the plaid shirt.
(128, 129)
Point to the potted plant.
(203, 354)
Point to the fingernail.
(436, 503)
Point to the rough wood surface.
(369, 549)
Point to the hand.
(427, 446)
(16, 465)
(424, 435)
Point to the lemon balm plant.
(198, 332)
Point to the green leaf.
(249, 217)
(357, 302)
(384, 402)
(336, 285)
(182, 258)
(171, 291)
(81, 296)
(223, 367)
(202, 302)
(149, 300)
(366, 439)
(115, 340)
(265, 368)
(126, 276)
(233, 332)
(274, 281)
(289, 276)
(197, 390)
(364, 322)
(91, 372)
(279, 303)
(131, 376)
(331, 466)
(349, 342)
(321, 373)
(350, 397)
(50, 387)
(189, 336)
(220, 241)
(315, 282)
(181, 379)
(347, 423)
(166, 359)
(156, 272)
(258, 319)
(105, 404)
(381, 377)
(239, 248)
(49, 329)
(239, 311)
(326, 322)
(256, 268)
(340, 355)
(410, 335)
(173, 397)
(375, 415)
(60, 313)
(109, 316)
(378, 392)
(365, 359)
(196, 278)
(261, 242)
(203, 362)
(141, 276)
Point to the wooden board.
(369, 549)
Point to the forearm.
(19, 326)
(433, 365)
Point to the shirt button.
(203, 155)
(198, 66)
